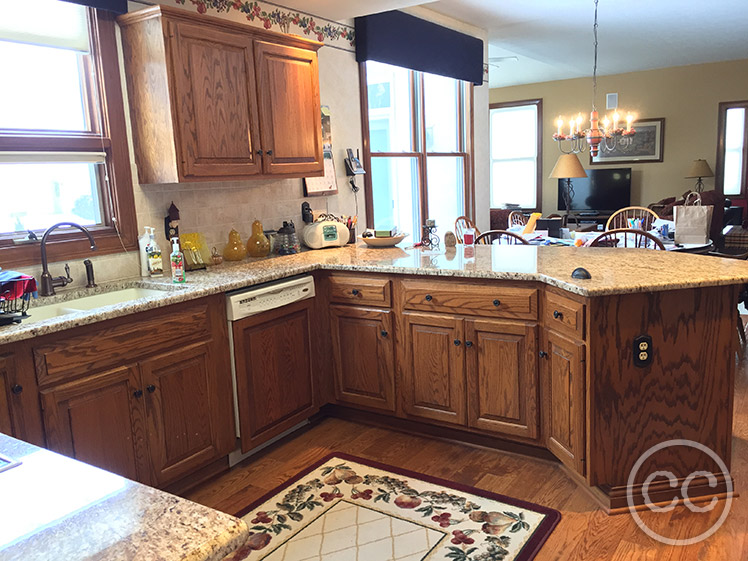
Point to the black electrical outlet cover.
(642, 351)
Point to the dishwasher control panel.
(255, 300)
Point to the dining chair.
(742, 254)
(516, 218)
(502, 236)
(620, 218)
(630, 238)
(462, 224)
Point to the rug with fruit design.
(346, 508)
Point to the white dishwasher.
(248, 302)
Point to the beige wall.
(686, 96)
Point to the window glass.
(445, 194)
(395, 189)
(390, 108)
(734, 150)
(441, 115)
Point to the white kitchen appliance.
(327, 233)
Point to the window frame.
(465, 100)
(119, 228)
(538, 103)
(719, 172)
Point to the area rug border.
(529, 550)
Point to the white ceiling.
(553, 38)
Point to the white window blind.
(47, 23)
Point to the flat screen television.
(602, 190)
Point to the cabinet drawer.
(350, 289)
(564, 315)
(469, 299)
(112, 346)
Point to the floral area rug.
(351, 509)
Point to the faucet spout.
(47, 287)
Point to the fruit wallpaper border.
(280, 19)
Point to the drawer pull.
(151, 388)
(355, 292)
(429, 298)
(543, 354)
(384, 333)
(457, 342)
(269, 152)
(17, 389)
(468, 343)
(557, 314)
(137, 393)
(259, 152)
(497, 302)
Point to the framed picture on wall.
(645, 146)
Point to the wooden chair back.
(503, 236)
(620, 218)
(516, 218)
(630, 238)
(462, 224)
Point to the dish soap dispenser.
(155, 264)
(177, 263)
(143, 248)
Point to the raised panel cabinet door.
(564, 370)
(433, 371)
(6, 396)
(99, 420)
(215, 102)
(183, 401)
(272, 354)
(502, 376)
(363, 352)
(290, 114)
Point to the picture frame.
(647, 145)
(327, 184)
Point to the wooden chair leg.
(741, 330)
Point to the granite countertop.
(613, 270)
(54, 507)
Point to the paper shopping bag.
(692, 223)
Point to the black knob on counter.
(457, 342)
(543, 354)
(429, 298)
(151, 388)
(17, 389)
(497, 302)
(137, 393)
(557, 314)
(384, 333)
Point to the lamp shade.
(699, 168)
(567, 166)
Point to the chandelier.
(606, 136)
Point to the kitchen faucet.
(48, 282)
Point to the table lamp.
(567, 166)
(699, 168)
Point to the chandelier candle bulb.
(629, 119)
(616, 118)
(560, 123)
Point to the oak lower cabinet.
(274, 380)
(563, 375)
(363, 353)
(8, 390)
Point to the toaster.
(327, 233)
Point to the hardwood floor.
(584, 533)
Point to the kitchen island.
(499, 342)
(54, 507)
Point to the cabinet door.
(290, 117)
(6, 393)
(564, 371)
(184, 411)
(501, 368)
(215, 102)
(99, 420)
(433, 373)
(363, 354)
(273, 372)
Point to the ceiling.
(552, 39)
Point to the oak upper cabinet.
(501, 370)
(563, 375)
(431, 366)
(99, 420)
(214, 100)
(274, 380)
(363, 353)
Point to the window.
(418, 151)
(732, 151)
(516, 153)
(63, 150)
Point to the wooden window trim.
(117, 201)
(465, 145)
(538, 103)
(719, 172)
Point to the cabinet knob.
(17, 389)
(457, 342)
(557, 314)
(468, 343)
(137, 393)
(543, 354)
(259, 152)
(429, 298)
(497, 302)
(355, 292)
(384, 333)
(151, 388)
(269, 152)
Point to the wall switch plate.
(611, 101)
(642, 351)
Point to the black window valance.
(117, 6)
(400, 39)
